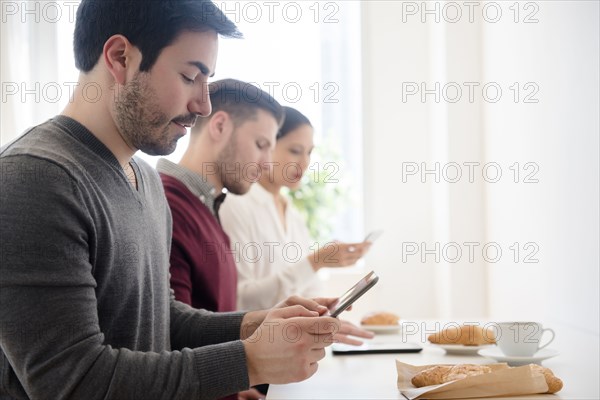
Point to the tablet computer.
(375, 348)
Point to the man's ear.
(220, 127)
(118, 57)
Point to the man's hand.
(287, 345)
(250, 322)
(253, 319)
(251, 394)
(319, 305)
(348, 329)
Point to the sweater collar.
(197, 184)
(85, 136)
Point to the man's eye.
(186, 79)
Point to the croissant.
(439, 374)
(380, 318)
(554, 383)
(468, 335)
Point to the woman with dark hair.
(273, 246)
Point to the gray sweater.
(85, 306)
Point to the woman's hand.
(337, 254)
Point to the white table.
(373, 376)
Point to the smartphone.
(375, 348)
(353, 294)
(373, 236)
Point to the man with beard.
(86, 310)
(226, 153)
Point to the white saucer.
(382, 328)
(461, 349)
(537, 358)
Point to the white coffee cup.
(521, 339)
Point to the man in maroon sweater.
(226, 151)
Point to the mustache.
(187, 120)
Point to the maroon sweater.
(203, 272)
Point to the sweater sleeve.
(49, 327)
(181, 258)
(191, 327)
(260, 292)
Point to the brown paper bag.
(502, 381)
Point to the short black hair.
(241, 100)
(293, 120)
(150, 25)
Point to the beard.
(230, 170)
(141, 122)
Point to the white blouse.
(272, 261)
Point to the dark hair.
(241, 100)
(293, 119)
(150, 25)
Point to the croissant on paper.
(554, 383)
(438, 374)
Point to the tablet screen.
(376, 348)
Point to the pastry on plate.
(380, 318)
(468, 335)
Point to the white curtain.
(29, 65)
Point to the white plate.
(461, 349)
(537, 358)
(382, 328)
